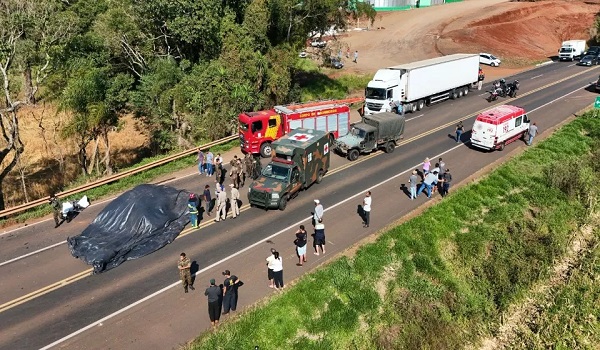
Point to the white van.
(571, 49)
(499, 126)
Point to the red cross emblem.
(326, 148)
(301, 137)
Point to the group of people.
(220, 297)
(439, 178)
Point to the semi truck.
(377, 131)
(300, 159)
(415, 85)
(571, 49)
(258, 130)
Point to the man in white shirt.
(318, 213)
(367, 209)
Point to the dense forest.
(183, 68)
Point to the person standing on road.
(247, 166)
(184, 266)
(447, 183)
(56, 209)
(480, 79)
(213, 292)
(429, 181)
(459, 131)
(318, 213)
(207, 199)
(442, 166)
(200, 159)
(209, 163)
(367, 208)
(426, 166)
(412, 184)
(193, 209)
(230, 294)
(218, 159)
(270, 259)
(278, 271)
(355, 60)
(234, 198)
(533, 129)
(319, 238)
(301, 238)
(234, 172)
(221, 205)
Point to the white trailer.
(422, 83)
(571, 49)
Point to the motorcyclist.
(503, 87)
(56, 210)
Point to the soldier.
(241, 174)
(256, 167)
(193, 209)
(230, 293)
(184, 266)
(218, 172)
(221, 205)
(56, 208)
(234, 198)
(234, 173)
(246, 167)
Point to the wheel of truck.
(501, 146)
(420, 104)
(283, 202)
(460, 92)
(413, 107)
(454, 94)
(353, 155)
(266, 150)
(466, 90)
(319, 177)
(390, 147)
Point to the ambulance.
(499, 126)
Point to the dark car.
(593, 50)
(588, 60)
(334, 62)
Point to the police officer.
(184, 266)
(230, 292)
(56, 209)
(234, 198)
(221, 205)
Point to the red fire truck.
(259, 129)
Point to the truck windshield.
(375, 93)
(358, 132)
(566, 49)
(275, 171)
(243, 126)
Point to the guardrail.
(115, 177)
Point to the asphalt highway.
(49, 295)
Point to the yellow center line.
(209, 222)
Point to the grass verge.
(443, 279)
(315, 84)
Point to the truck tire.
(266, 150)
(319, 177)
(465, 90)
(460, 92)
(420, 104)
(283, 202)
(501, 146)
(353, 155)
(413, 107)
(390, 147)
(454, 94)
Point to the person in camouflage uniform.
(184, 266)
(234, 173)
(56, 209)
(245, 164)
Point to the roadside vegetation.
(445, 279)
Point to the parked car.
(593, 50)
(588, 60)
(334, 62)
(318, 43)
(489, 59)
(303, 54)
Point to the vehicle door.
(370, 141)
(295, 180)
(483, 134)
(519, 125)
(273, 127)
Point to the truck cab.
(258, 129)
(382, 90)
(300, 159)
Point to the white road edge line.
(130, 306)
(537, 76)
(419, 116)
(571, 65)
(31, 253)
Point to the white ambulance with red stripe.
(499, 126)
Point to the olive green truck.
(300, 159)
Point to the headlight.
(275, 195)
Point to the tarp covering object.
(137, 223)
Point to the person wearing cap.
(213, 292)
(193, 210)
(412, 184)
(56, 208)
(318, 213)
(230, 294)
(234, 198)
(221, 205)
(184, 266)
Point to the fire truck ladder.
(347, 101)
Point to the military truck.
(300, 159)
(376, 131)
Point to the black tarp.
(137, 223)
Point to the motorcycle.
(72, 209)
(494, 93)
(512, 89)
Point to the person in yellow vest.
(193, 209)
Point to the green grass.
(315, 84)
(443, 279)
(124, 184)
